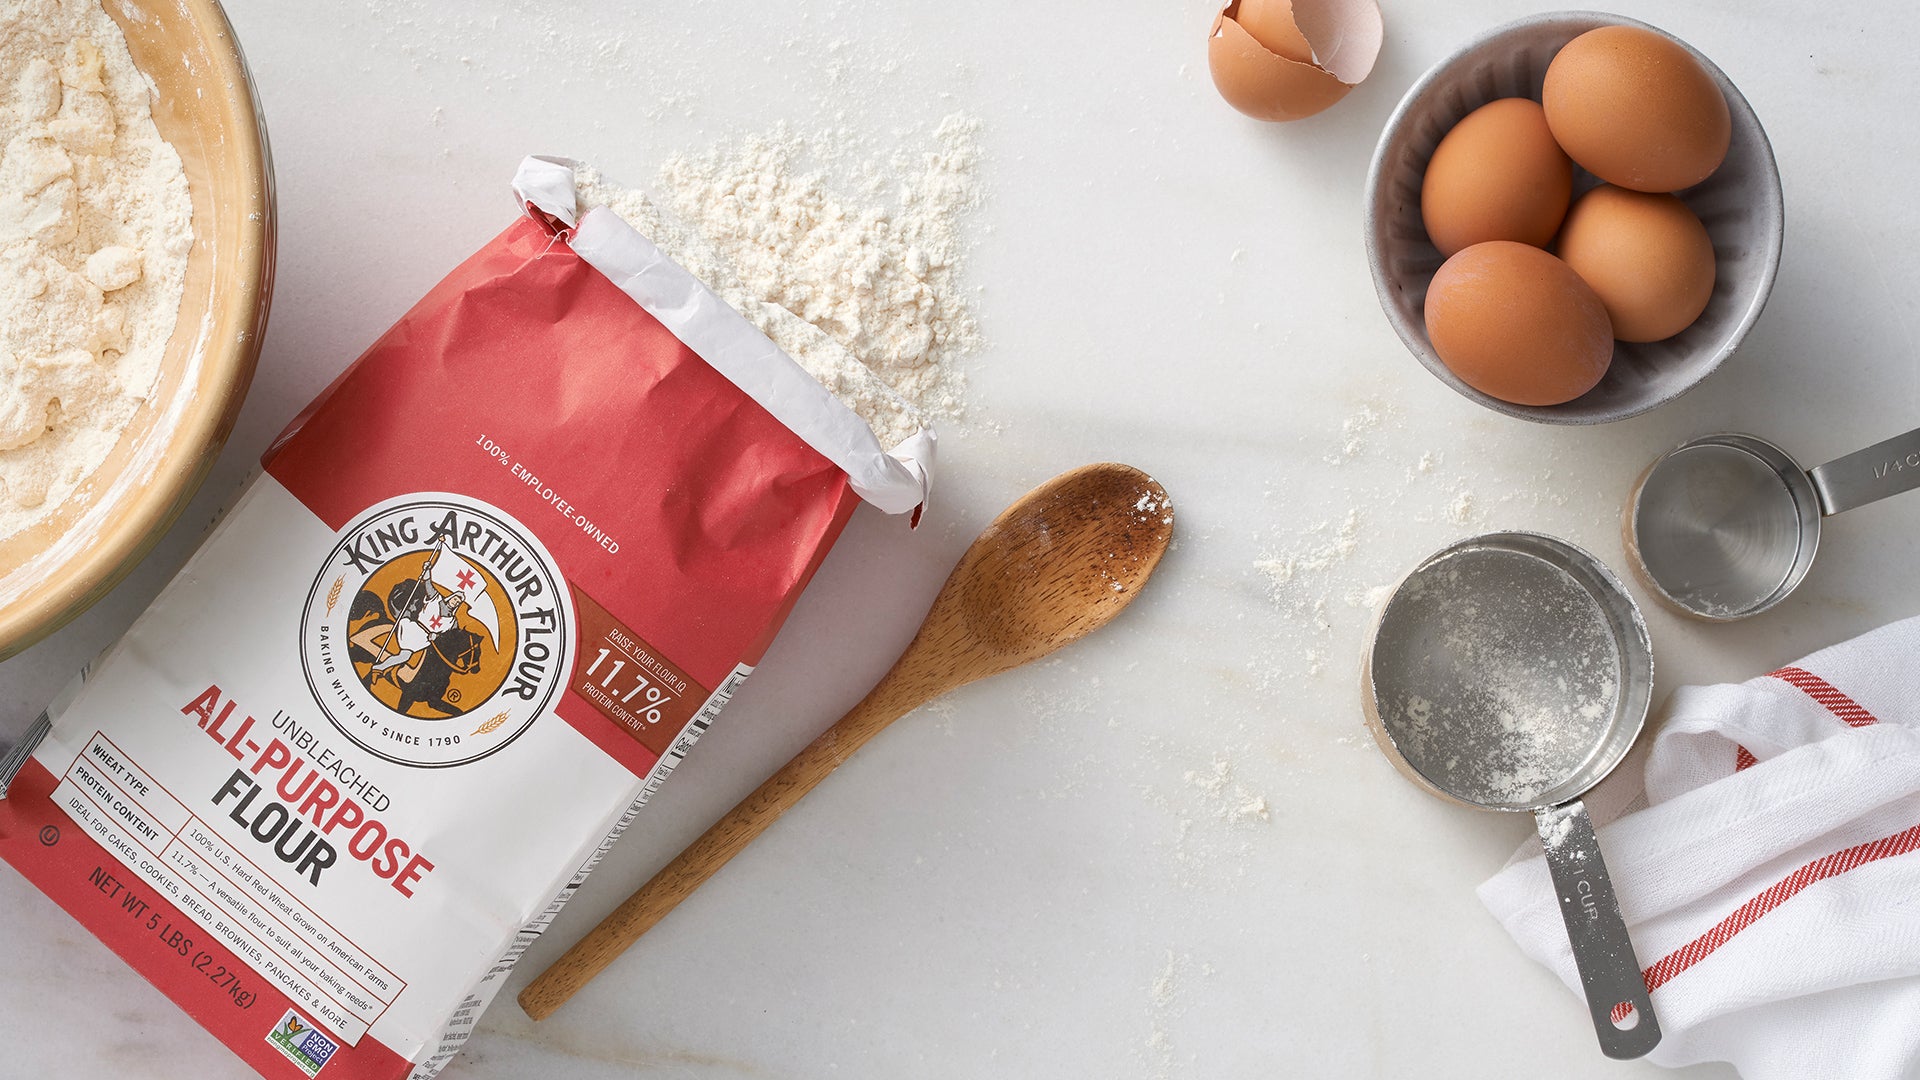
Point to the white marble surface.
(1026, 882)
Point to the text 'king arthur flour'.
(493, 584)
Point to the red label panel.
(629, 681)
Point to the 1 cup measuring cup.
(1511, 671)
(1725, 526)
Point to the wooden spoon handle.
(894, 697)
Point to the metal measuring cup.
(1512, 672)
(1725, 526)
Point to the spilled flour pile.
(95, 225)
(866, 293)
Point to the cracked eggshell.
(1288, 59)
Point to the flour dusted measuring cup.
(1725, 526)
(1511, 671)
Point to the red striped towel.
(1766, 853)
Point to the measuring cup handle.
(1864, 476)
(1609, 971)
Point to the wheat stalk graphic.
(492, 723)
(333, 594)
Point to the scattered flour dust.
(95, 225)
(1461, 511)
(1163, 1005)
(864, 291)
(1218, 818)
(1372, 598)
(1327, 546)
(1223, 798)
(1353, 434)
(1297, 579)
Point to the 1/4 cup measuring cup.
(1512, 672)
(1725, 526)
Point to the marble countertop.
(1064, 871)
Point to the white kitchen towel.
(1767, 862)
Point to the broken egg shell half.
(1344, 37)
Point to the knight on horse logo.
(425, 633)
(455, 607)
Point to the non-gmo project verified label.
(304, 1044)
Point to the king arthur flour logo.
(437, 631)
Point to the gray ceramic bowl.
(1739, 204)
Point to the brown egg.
(1517, 324)
(1646, 256)
(1288, 59)
(1636, 109)
(1498, 175)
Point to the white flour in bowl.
(95, 225)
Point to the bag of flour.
(492, 585)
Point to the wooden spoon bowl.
(1058, 564)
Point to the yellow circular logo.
(425, 634)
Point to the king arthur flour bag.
(492, 585)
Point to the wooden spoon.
(1056, 566)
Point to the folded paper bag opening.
(1765, 848)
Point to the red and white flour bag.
(492, 585)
